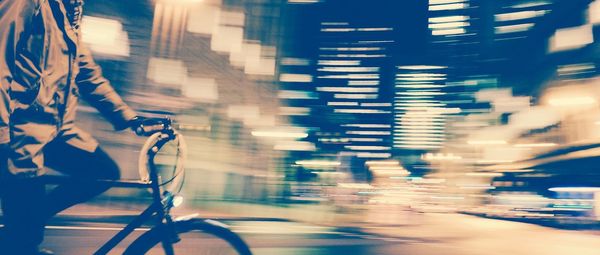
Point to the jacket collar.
(60, 14)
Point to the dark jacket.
(44, 70)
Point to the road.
(265, 237)
(446, 234)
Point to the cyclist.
(44, 70)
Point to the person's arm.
(15, 17)
(97, 90)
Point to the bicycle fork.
(164, 220)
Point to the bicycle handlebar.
(154, 126)
(160, 133)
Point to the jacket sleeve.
(15, 16)
(97, 91)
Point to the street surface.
(448, 234)
(267, 239)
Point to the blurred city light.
(448, 25)
(285, 77)
(304, 1)
(167, 71)
(530, 4)
(519, 15)
(594, 12)
(419, 123)
(514, 28)
(279, 134)
(441, 157)
(571, 38)
(453, 31)
(533, 145)
(105, 36)
(442, 7)
(421, 67)
(448, 19)
(571, 101)
(575, 189)
(323, 163)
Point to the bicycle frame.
(165, 229)
(159, 207)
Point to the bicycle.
(166, 231)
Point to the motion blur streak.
(363, 127)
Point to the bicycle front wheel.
(197, 237)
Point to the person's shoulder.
(22, 2)
(32, 4)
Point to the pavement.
(391, 230)
(376, 230)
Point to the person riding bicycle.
(44, 70)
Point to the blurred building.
(530, 152)
(210, 65)
(476, 99)
(337, 71)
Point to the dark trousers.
(27, 206)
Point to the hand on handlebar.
(145, 126)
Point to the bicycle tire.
(152, 240)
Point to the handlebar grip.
(147, 130)
(153, 125)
